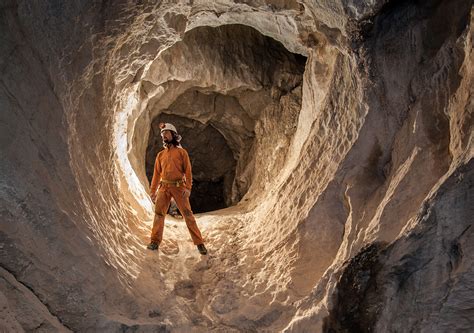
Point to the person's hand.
(186, 193)
(153, 197)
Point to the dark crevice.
(357, 300)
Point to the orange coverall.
(172, 164)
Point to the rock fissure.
(19, 305)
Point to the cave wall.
(39, 191)
(63, 209)
(373, 148)
(405, 152)
(260, 78)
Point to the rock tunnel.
(331, 145)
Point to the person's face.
(166, 136)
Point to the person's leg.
(161, 207)
(185, 208)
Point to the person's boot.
(202, 249)
(152, 246)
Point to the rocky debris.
(185, 288)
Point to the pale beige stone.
(350, 124)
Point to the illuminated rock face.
(350, 126)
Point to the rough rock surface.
(351, 127)
(22, 311)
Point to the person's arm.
(187, 170)
(156, 176)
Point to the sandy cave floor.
(192, 277)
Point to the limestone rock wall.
(357, 182)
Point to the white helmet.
(168, 127)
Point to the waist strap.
(172, 182)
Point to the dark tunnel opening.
(213, 163)
(218, 124)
